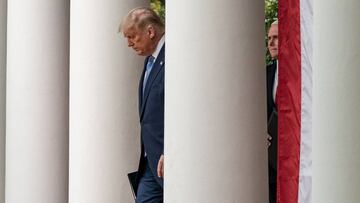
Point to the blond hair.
(141, 17)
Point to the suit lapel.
(141, 86)
(159, 63)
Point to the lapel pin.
(161, 63)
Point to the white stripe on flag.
(305, 176)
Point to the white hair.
(276, 22)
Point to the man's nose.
(271, 42)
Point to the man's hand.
(269, 138)
(160, 167)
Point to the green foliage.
(271, 15)
(271, 12)
(159, 7)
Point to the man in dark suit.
(145, 33)
(272, 81)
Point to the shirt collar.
(158, 47)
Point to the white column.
(104, 121)
(215, 120)
(37, 102)
(3, 13)
(336, 93)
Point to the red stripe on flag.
(289, 104)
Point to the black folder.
(273, 132)
(133, 182)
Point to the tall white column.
(104, 121)
(336, 104)
(3, 13)
(215, 120)
(37, 101)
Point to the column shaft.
(215, 120)
(336, 104)
(104, 121)
(37, 101)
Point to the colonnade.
(71, 119)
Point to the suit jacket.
(151, 113)
(272, 150)
(270, 77)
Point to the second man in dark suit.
(272, 81)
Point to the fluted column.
(215, 120)
(3, 13)
(104, 122)
(37, 101)
(336, 104)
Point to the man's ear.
(151, 31)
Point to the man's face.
(140, 41)
(273, 41)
